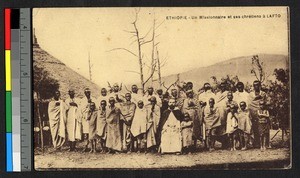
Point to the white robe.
(57, 121)
(139, 122)
(171, 135)
(73, 124)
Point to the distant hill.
(240, 66)
(66, 77)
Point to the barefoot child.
(263, 125)
(231, 127)
(92, 119)
(187, 134)
(244, 125)
(101, 125)
(139, 126)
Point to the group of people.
(157, 121)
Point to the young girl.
(232, 126)
(244, 125)
(263, 125)
(187, 134)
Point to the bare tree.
(140, 41)
(258, 69)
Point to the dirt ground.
(276, 157)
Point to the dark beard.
(171, 107)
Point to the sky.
(72, 34)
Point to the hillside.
(66, 77)
(240, 66)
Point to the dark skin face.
(92, 106)
(150, 91)
(103, 92)
(140, 105)
(243, 106)
(153, 102)
(229, 96)
(256, 87)
(87, 93)
(207, 87)
(128, 96)
(134, 89)
(159, 92)
(112, 102)
(174, 93)
(103, 104)
(190, 95)
(222, 87)
(116, 88)
(240, 88)
(211, 103)
(72, 94)
(189, 86)
(57, 95)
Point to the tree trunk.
(140, 58)
(40, 121)
(152, 54)
(158, 69)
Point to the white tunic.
(171, 136)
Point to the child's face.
(243, 107)
(140, 105)
(229, 96)
(92, 107)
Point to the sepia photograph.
(195, 88)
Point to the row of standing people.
(120, 121)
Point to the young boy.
(244, 125)
(187, 134)
(231, 126)
(139, 126)
(92, 119)
(101, 125)
(263, 125)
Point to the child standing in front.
(232, 126)
(187, 134)
(263, 125)
(139, 126)
(92, 115)
(244, 125)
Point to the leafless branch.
(127, 89)
(159, 25)
(132, 71)
(152, 72)
(147, 33)
(124, 50)
(129, 31)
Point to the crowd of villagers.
(177, 121)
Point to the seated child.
(139, 126)
(187, 134)
(263, 125)
(92, 119)
(232, 126)
(244, 125)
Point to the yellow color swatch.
(7, 70)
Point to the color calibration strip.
(18, 89)
(8, 97)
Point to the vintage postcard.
(161, 88)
